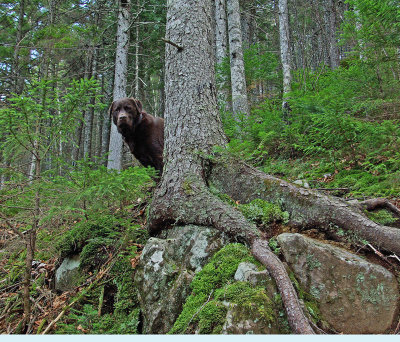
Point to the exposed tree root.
(379, 203)
(307, 208)
(194, 204)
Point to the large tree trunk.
(192, 129)
(121, 73)
(238, 80)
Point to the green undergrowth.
(343, 131)
(114, 242)
(348, 179)
(92, 212)
(214, 286)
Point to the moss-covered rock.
(166, 269)
(218, 303)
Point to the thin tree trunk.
(221, 48)
(18, 82)
(238, 80)
(285, 51)
(99, 123)
(89, 114)
(137, 52)
(333, 49)
(120, 79)
(30, 238)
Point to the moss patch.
(214, 286)
(263, 212)
(381, 216)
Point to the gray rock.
(354, 295)
(244, 270)
(165, 270)
(68, 275)
(302, 183)
(247, 271)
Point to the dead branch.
(180, 48)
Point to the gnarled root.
(379, 203)
(194, 204)
(307, 208)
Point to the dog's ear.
(138, 105)
(110, 110)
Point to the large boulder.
(354, 295)
(166, 269)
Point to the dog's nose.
(122, 117)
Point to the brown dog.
(142, 132)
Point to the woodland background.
(334, 123)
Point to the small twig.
(394, 256)
(380, 254)
(201, 308)
(377, 252)
(180, 48)
(11, 286)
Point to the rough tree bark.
(285, 50)
(121, 70)
(238, 80)
(333, 49)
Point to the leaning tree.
(193, 128)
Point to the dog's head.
(126, 114)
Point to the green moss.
(381, 216)
(274, 245)
(204, 310)
(212, 317)
(221, 268)
(263, 212)
(93, 237)
(250, 298)
(119, 287)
